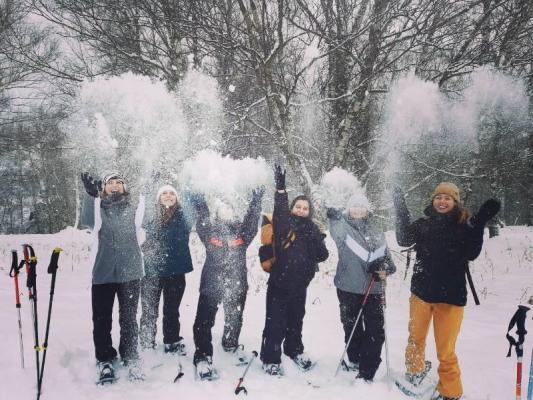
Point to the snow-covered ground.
(503, 275)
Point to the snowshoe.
(177, 348)
(441, 397)
(106, 373)
(273, 369)
(205, 370)
(135, 370)
(417, 392)
(303, 362)
(361, 378)
(416, 379)
(349, 366)
(241, 357)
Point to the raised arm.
(405, 231)
(250, 222)
(203, 224)
(280, 217)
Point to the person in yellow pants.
(444, 240)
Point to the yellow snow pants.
(447, 320)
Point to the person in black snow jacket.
(363, 256)
(117, 271)
(167, 259)
(445, 240)
(224, 277)
(298, 247)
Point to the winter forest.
(406, 92)
(358, 100)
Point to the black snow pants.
(233, 304)
(369, 335)
(103, 298)
(285, 311)
(172, 288)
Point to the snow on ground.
(503, 275)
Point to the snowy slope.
(503, 276)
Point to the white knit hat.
(358, 200)
(166, 188)
(114, 175)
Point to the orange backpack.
(267, 253)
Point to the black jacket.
(295, 266)
(224, 272)
(166, 249)
(443, 248)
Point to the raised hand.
(333, 213)
(258, 192)
(92, 187)
(486, 212)
(279, 175)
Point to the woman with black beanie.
(298, 247)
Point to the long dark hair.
(306, 198)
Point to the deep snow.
(503, 275)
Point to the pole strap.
(471, 284)
(518, 319)
(15, 265)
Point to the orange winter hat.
(447, 188)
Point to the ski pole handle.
(14, 273)
(52, 268)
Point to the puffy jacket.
(225, 244)
(443, 248)
(295, 266)
(359, 242)
(166, 249)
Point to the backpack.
(267, 253)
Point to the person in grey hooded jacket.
(363, 256)
(117, 271)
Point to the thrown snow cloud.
(336, 187)
(225, 178)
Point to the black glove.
(257, 193)
(334, 213)
(486, 212)
(280, 177)
(377, 265)
(92, 187)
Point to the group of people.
(126, 267)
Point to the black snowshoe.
(303, 362)
(205, 370)
(106, 373)
(412, 384)
(238, 351)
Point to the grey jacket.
(359, 243)
(118, 258)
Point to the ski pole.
(14, 273)
(519, 318)
(180, 370)
(31, 263)
(52, 269)
(384, 307)
(240, 387)
(356, 322)
(530, 384)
